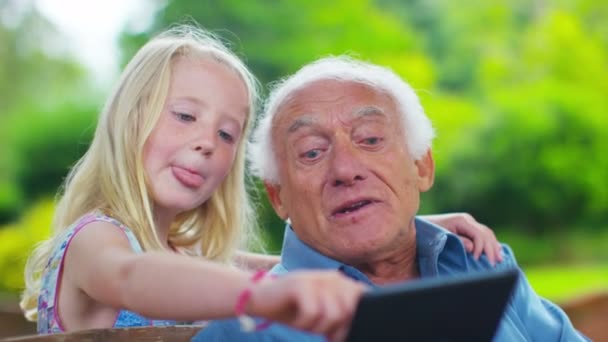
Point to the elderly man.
(344, 150)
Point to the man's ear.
(274, 196)
(426, 171)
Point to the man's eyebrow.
(363, 112)
(300, 122)
(369, 111)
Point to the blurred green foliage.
(18, 239)
(33, 67)
(537, 162)
(516, 90)
(63, 133)
(579, 245)
(276, 38)
(42, 144)
(46, 108)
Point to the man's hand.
(475, 236)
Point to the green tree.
(538, 161)
(32, 64)
(278, 37)
(36, 75)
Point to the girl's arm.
(163, 285)
(255, 261)
(100, 262)
(476, 237)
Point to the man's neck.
(394, 267)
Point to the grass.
(562, 283)
(575, 246)
(562, 265)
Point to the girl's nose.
(205, 145)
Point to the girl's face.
(193, 145)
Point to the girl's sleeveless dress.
(48, 318)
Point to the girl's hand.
(476, 237)
(321, 302)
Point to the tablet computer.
(464, 307)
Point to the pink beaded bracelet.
(247, 322)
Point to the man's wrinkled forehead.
(309, 119)
(298, 101)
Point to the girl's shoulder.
(97, 216)
(48, 320)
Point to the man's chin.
(359, 249)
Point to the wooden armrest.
(589, 314)
(170, 334)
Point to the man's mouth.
(351, 207)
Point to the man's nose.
(346, 166)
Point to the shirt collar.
(296, 254)
(431, 240)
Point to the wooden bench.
(180, 333)
(589, 314)
(12, 322)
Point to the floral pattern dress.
(48, 318)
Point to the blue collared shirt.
(527, 317)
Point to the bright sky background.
(92, 28)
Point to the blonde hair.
(110, 176)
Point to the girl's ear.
(426, 171)
(274, 196)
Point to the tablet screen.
(464, 307)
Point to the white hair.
(419, 131)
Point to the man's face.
(346, 179)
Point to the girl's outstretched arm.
(163, 285)
(255, 261)
(100, 262)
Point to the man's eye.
(184, 117)
(372, 140)
(312, 154)
(226, 136)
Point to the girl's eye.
(226, 136)
(184, 117)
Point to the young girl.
(151, 215)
